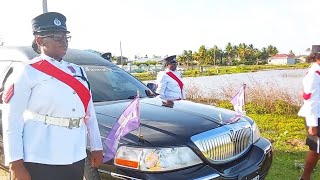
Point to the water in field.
(281, 80)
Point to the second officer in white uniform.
(169, 82)
(311, 111)
(48, 110)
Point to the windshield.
(112, 83)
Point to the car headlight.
(155, 159)
(255, 132)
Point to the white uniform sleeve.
(93, 128)
(184, 96)
(162, 85)
(311, 97)
(12, 115)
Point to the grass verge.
(287, 135)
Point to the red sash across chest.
(176, 79)
(49, 69)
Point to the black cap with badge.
(170, 60)
(49, 22)
(315, 49)
(314, 54)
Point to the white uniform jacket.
(168, 88)
(34, 141)
(311, 95)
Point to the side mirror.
(152, 86)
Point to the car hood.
(160, 125)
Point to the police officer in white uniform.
(311, 111)
(169, 82)
(46, 119)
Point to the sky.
(167, 27)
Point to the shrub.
(260, 99)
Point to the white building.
(281, 59)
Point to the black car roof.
(76, 56)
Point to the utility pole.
(1, 41)
(44, 6)
(121, 54)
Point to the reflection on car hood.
(163, 125)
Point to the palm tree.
(308, 50)
(264, 54)
(228, 50)
(210, 56)
(182, 58)
(186, 58)
(292, 53)
(242, 51)
(215, 49)
(195, 57)
(202, 53)
(272, 50)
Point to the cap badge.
(56, 22)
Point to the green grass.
(287, 135)
(210, 71)
(144, 76)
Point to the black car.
(188, 141)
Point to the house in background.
(301, 59)
(282, 59)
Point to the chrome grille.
(224, 143)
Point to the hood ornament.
(220, 118)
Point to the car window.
(109, 84)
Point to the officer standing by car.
(169, 82)
(310, 110)
(48, 110)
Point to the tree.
(242, 51)
(202, 53)
(190, 58)
(211, 56)
(292, 53)
(229, 53)
(195, 57)
(272, 50)
(308, 50)
(182, 59)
